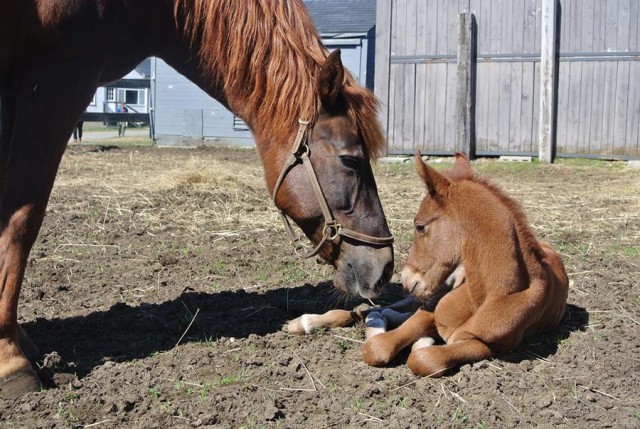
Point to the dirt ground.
(162, 278)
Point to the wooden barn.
(185, 115)
(512, 78)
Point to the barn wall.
(185, 115)
(598, 87)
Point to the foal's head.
(438, 235)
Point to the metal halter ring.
(300, 154)
(331, 230)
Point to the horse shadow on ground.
(126, 332)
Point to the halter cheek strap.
(299, 153)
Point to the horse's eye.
(351, 162)
(420, 227)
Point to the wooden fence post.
(382, 61)
(466, 89)
(548, 82)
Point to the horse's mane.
(525, 233)
(266, 55)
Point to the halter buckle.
(302, 150)
(331, 230)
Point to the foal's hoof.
(18, 384)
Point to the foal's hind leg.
(34, 155)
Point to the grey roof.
(342, 16)
(144, 68)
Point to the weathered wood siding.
(598, 88)
(185, 115)
(599, 77)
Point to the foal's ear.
(462, 168)
(437, 184)
(331, 81)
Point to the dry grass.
(123, 184)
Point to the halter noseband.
(332, 229)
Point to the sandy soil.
(161, 280)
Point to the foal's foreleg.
(380, 349)
(309, 323)
(436, 360)
(393, 315)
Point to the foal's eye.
(421, 227)
(351, 162)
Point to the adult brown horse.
(506, 284)
(260, 58)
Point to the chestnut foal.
(508, 285)
(473, 246)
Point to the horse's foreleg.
(436, 360)
(55, 97)
(380, 349)
(7, 114)
(29, 348)
(16, 374)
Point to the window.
(131, 96)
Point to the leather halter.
(332, 229)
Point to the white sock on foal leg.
(422, 343)
(376, 324)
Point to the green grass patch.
(292, 273)
(229, 379)
(630, 250)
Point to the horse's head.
(435, 253)
(350, 229)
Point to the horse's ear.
(462, 168)
(437, 184)
(331, 81)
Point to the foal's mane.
(266, 55)
(527, 237)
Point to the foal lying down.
(504, 283)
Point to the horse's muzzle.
(364, 270)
